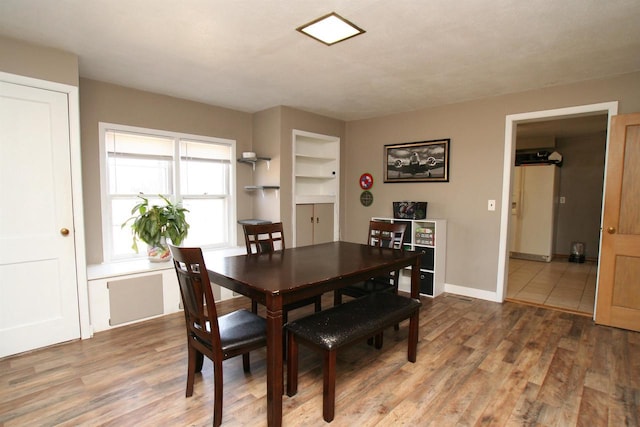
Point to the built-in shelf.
(316, 158)
(315, 176)
(261, 187)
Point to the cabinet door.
(304, 225)
(323, 223)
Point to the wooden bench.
(344, 324)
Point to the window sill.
(125, 268)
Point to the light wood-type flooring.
(479, 363)
(559, 284)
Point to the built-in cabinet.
(316, 167)
(314, 223)
(429, 237)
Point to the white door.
(38, 287)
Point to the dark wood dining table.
(294, 274)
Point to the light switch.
(562, 200)
(491, 205)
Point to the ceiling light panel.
(330, 29)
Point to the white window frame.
(103, 127)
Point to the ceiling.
(247, 55)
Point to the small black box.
(410, 210)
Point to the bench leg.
(378, 340)
(292, 365)
(246, 363)
(329, 386)
(412, 350)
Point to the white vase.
(159, 253)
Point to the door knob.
(611, 230)
(64, 231)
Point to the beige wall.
(266, 142)
(273, 137)
(581, 183)
(477, 131)
(103, 102)
(17, 57)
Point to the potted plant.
(155, 224)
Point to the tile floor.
(560, 284)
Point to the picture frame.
(422, 161)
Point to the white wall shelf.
(253, 161)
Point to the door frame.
(73, 100)
(511, 122)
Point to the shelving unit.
(428, 236)
(253, 162)
(316, 168)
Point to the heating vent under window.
(134, 299)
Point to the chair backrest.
(386, 235)
(263, 238)
(197, 297)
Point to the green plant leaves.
(152, 223)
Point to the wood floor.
(560, 284)
(479, 363)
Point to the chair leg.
(246, 365)
(337, 297)
(254, 306)
(412, 349)
(217, 393)
(192, 355)
(292, 365)
(199, 360)
(319, 304)
(329, 386)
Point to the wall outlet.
(491, 205)
(562, 200)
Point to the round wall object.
(366, 181)
(366, 198)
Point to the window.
(194, 170)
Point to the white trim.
(511, 121)
(471, 292)
(76, 188)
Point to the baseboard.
(471, 292)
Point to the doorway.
(512, 123)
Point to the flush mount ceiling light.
(330, 29)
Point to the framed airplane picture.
(423, 161)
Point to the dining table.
(293, 274)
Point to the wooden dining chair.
(265, 239)
(383, 235)
(218, 338)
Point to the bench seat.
(344, 324)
